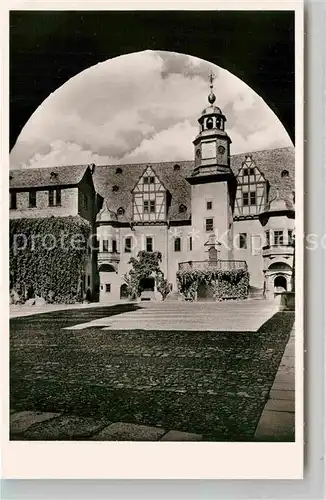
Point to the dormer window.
(176, 167)
(115, 188)
(182, 209)
(53, 175)
(120, 211)
(118, 170)
(285, 173)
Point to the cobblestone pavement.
(213, 384)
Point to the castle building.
(218, 209)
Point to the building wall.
(217, 193)
(69, 205)
(253, 253)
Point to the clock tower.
(213, 184)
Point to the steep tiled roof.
(117, 187)
(41, 177)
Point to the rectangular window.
(209, 225)
(152, 206)
(209, 205)
(245, 199)
(58, 197)
(243, 240)
(146, 206)
(114, 246)
(267, 234)
(51, 197)
(245, 172)
(278, 237)
(152, 180)
(290, 237)
(32, 199)
(177, 244)
(105, 245)
(251, 171)
(108, 287)
(145, 180)
(88, 280)
(149, 244)
(13, 200)
(190, 243)
(128, 245)
(253, 198)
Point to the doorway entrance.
(280, 283)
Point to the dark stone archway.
(49, 47)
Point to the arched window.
(285, 173)
(120, 211)
(182, 208)
(118, 170)
(115, 188)
(209, 123)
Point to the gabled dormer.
(252, 187)
(149, 198)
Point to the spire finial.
(211, 97)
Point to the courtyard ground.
(90, 365)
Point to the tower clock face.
(209, 149)
(221, 150)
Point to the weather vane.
(211, 79)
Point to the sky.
(142, 107)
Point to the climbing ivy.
(48, 255)
(224, 284)
(146, 265)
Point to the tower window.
(149, 244)
(108, 287)
(13, 200)
(177, 244)
(210, 123)
(190, 243)
(290, 237)
(285, 173)
(243, 240)
(209, 225)
(209, 205)
(105, 245)
(128, 244)
(32, 198)
(114, 246)
(278, 237)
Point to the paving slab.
(21, 421)
(120, 431)
(66, 428)
(280, 405)
(276, 426)
(181, 436)
(288, 395)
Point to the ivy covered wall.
(48, 257)
(219, 284)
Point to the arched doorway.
(147, 284)
(204, 291)
(280, 283)
(124, 291)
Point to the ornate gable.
(251, 194)
(149, 198)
